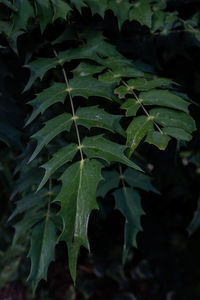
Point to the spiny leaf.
(128, 201)
(92, 116)
(120, 9)
(78, 4)
(110, 181)
(21, 18)
(60, 158)
(158, 139)
(97, 7)
(171, 118)
(164, 98)
(44, 13)
(89, 86)
(51, 129)
(142, 84)
(61, 9)
(131, 105)
(56, 93)
(85, 69)
(141, 12)
(137, 130)
(178, 133)
(139, 180)
(28, 202)
(122, 91)
(78, 199)
(99, 147)
(26, 224)
(43, 241)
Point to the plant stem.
(72, 107)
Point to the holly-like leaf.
(61, 9)
(97, 7)
(137, 130)
(43, 241)
(142, 84)
(44, 13)
(89, 86)
(141, 12)
(177, 133)
(157, 138)
(78, 199)
(86, 69)
(60, 158)
(131, 105)
(56, 93)
(110, 181)
(28, 202)
(92, 116)
(51, 129)
(120, 9)
(164, 98)
(171, 118)
(139, 180)
(122, 91)
(128, 201)
(20, 18)
(99, 147)
(78, 4)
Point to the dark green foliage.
(92, 109)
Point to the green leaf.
(158, 139)
(51, 129)
(21, 18)
(158, 20)
(120, 9)
(177, 133)
(164, 98)
(128, 201)
(122, 91)
(137, 130)
(139, 180)
(64, 155)
(78, 199)
(102, 148)
(131, 105)
(171, 118)
(43, 241)
(92, 116)
(111, 181)
(89, 86)
(97, 7)
(109, 77)
(28, 202)
(78, 4)
(56, 93)
(141, 12)
(61, 9)
(9, 4)
(85, 69)
(142, 84)
(44, 13)
(24, 225)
